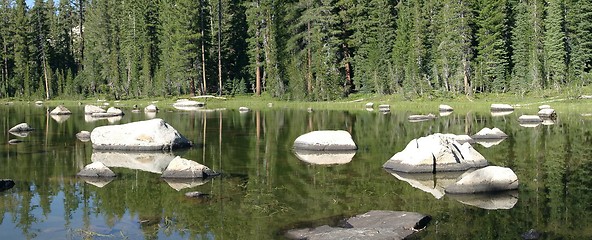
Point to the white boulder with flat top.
(435, 153)
(154, 134)
(326, 140)
(487, 179)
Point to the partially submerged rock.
(547, 113)
(183, 168)
(21, 127)
(370, 225)
(421, 118)
(325, 140)
(151, 108)
(244, 109)
(111, 112)
(497, 107)
(181, 103)
(60, 110)
(96, 169)
(154, 134)
(488, 133)
(6, 184)
(83, 136)
(435, 153)
(529, 119)
(370, 105)
(90, 109)
(445, 108)
(487, 179)
(384, 108)
(325, 157)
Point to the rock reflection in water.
(490, 201)
(98, 182)
(89, 118)
(180, 184)
(325, 157)
(60, 118)
(489, 142)
(501, 113)
(431, 183)
(154, 162)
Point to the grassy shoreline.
(479, 103)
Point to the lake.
(265, 189)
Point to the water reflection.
(325, 157)
(266, 188)
(180, 184)
(154, 162)
(60, 118)
(491, 201)
(431, 183)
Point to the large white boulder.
(326, 140)
(96, 169)
(435, 153)
(183, 168)
(154, 134)
(488, 133)
(487, 179)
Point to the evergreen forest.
(316, 50)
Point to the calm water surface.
(265, 189)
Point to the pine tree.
(527, 47)
(6, 46)
(492, 37)
(20, 79)
(579, 32)
(554, 42)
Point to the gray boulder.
(21, 127)
(326, 140)
(487, 179)
(96, 169)
(90, 109)
(435, 153)
(371, 225)
(60, 110)
(183, 168)
(154, 134)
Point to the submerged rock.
(487, 179)
(326, 140)
(154, 134)
(370, 225)
(435, 153)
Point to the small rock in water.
(197, 195)
(531, 235)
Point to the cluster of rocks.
(546, 115)
(144, 145)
